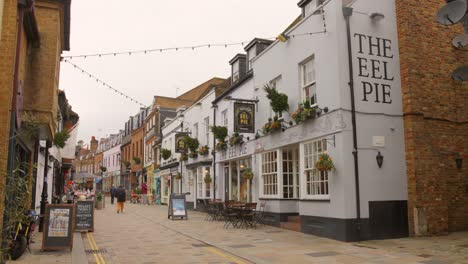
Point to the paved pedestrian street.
(143, 234)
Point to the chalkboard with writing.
(84, 216)
(58, 227)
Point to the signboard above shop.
(244, 117)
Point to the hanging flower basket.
(205, 150)
(193, 155)
(178, 176)
(324, 163)
(165, 153)
(248, 174)
(207, 178)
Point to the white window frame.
(309, 155)
(224, 117)
(274, 175)
(195, 130)
(206, 122)
(202, 187)
(312, 84)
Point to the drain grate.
(93, 251)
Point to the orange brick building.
(435, 118)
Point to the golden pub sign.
(244, 117)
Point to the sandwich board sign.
(84, 216)
(58, 227)
(177, 207)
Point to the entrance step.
(293, 226)
(294, 219)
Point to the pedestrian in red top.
(144, 192)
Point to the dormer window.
(309, 6)
(235, 72)
(251, 53)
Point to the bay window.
(280, 173)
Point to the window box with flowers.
(273, 125)
(304, 112)
(205, 150)
(236, 139)
(207, 178)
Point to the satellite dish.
(453, 12)
(460, 41)
(461, 74)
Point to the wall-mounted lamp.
(377, 16)
(459, 161)
(282, 37)
(379, 159)
(319, 110)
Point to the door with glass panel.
(290, 173)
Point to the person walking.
(144, 193)
(121, 195)
(112, 193)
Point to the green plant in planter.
(193, 155)
(178, 176)
(138, 190)
(103, 169)
(204, 150)
(191, 143)
(60, 138)
(127, 164)
(166, 153)
(325, 162)
(99, 196)
(248, 174)
(207, 178)
(236, 139)
(137, 160)
(219, 132)
(278, 101)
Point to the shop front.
(167, 177)
(199, 183)
(236, 171)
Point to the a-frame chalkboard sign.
(177, 208)
(58, 227)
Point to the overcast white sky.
(120, 25)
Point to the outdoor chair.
(260, 214)
(230, 216)
(247, 216)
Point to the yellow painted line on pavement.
(224, 255)
(92, 243)
(92, 248)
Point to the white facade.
(112, 161)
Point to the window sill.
(327, 200)
(277, 199)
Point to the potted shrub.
(103, 169)
(248, 174)
(278, 101)
(205, 150)
(137, 160)
(166, 153)
(60, 138)
(207, 178)
(325, 162)
(99, 201)
(178, 176)
(236, 139)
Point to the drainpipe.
(347, 13)
(1, 18)
(214, 153)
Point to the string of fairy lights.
(68, 58)
(105, 84)
(183, 48)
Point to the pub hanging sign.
(244, 117)
(180, 146)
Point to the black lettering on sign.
(376, 67)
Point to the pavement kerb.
(229, 250)
(78, 254)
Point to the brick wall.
(435, 119)
(7, 62)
